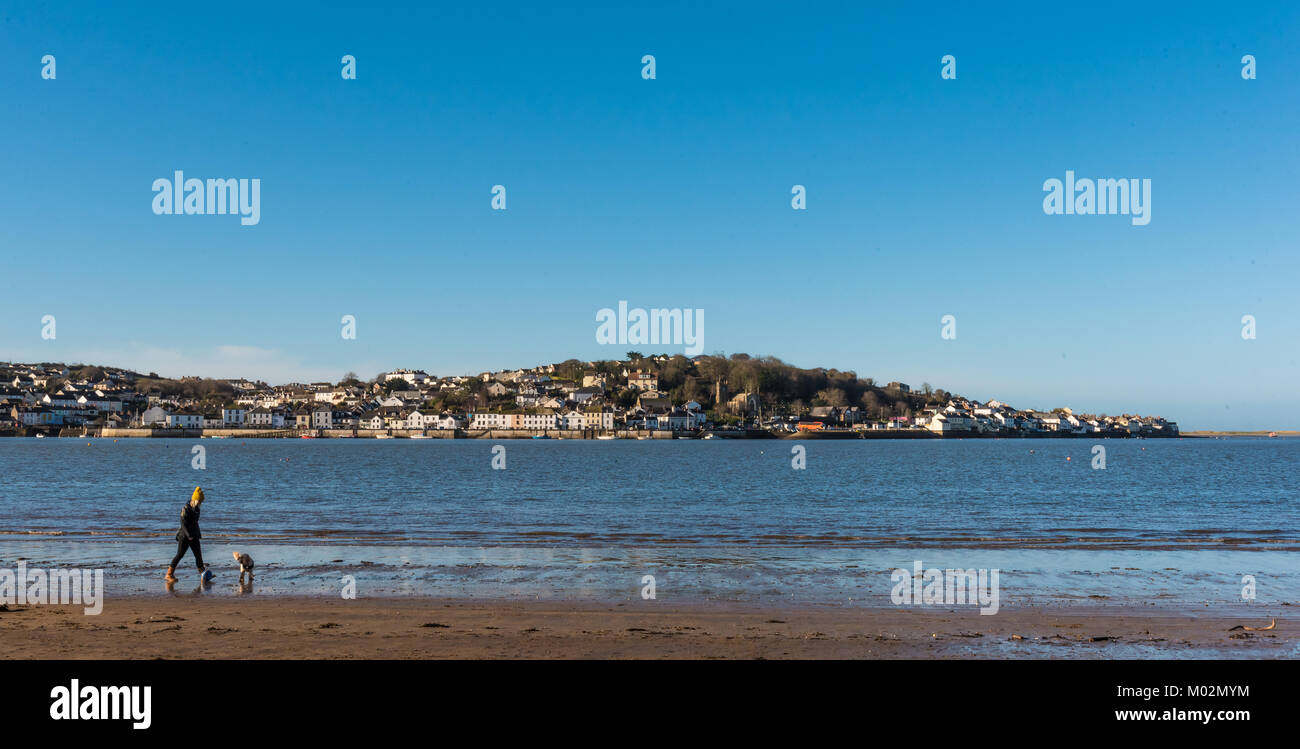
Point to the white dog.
(245, 565)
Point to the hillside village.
(666, 394)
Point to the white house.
(413, 376)
(643, 381)
(154, 415)
(444, 421)
(542, 419)
(322, 417)
(31, 416)
(595, 417)
(422, 420)
(946, 422)
(488, 420)
(185, 420)
(101, 402)
(679, 419)
(1050, 421)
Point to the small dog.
(245, 565)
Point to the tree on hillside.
(833, 397)
(689, 391)
(673, 373)
(872, 403)
(569, 369)
(626, 398)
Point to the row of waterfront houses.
(962, 415)
(525, 399)
(381, 417)
(24, 401)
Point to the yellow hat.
(198, 494)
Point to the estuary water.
(1173, 522)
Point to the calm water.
(1168, 521)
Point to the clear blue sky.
(924, 195)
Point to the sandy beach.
(153, 627)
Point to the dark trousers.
(182, 544)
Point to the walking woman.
(188, 536)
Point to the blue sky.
(924, 195)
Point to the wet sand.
(150, 627)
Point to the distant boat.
(1272, 434)
(383, 436)
(604, 436)
(710, 436)
(308, 436)
(541, 436)
(420, 437)
(40, 436)
(643, 438)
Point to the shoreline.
(589, 435)
(172, 627)
(1273, 433)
